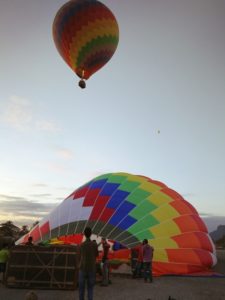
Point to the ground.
(124, 288)
(179, 288)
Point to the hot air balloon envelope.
(86, 35)
(128, 208)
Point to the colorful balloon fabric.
(128, 208)
(86, 35)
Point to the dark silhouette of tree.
(24, 230)
(34, 224)
(9, 229)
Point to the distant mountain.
(218, 234)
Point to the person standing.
(4, 257)
(87, 265)
(30, 241)
(139, 263)
(147, 260)
(105, 263)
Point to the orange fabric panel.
(194, 240)
(205, 241)
(173, 194)
(187, 240)
(183, 207)
(162, 268)
(187, 256)
(190, 223)
(204, 257)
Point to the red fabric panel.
(91, 197)
(35, 233)
(106, 215)
(45, 228)
(72, 239)
(97, 209)
(81, 192)
(25, 239)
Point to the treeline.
(10, 230)
(221, 242)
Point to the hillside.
(218, 234)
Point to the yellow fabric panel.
(165, 229)
(122, 174)
(160, 255)
(93, 30)
(163, 243)
(150, 187)
(164, 213)
(136, 178)
(159, 198)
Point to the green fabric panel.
(137, 196)
(96, 42)
(139, 211)
(117, 178)
(129, 186)
(144, 235)
(147, 222)
(104, 176)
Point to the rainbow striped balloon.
(86, 35)
(128, 208)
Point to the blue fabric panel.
(127, 222)
(117, 198)
(98, 184)
(124, 209)
(108, 189)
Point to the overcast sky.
(156, 109)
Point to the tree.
(9, 229)
(24, 230)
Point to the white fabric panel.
(54, 217)
(65, 211)
(77, 211)
(86, 212)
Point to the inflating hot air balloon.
(129, 208)
(86, 35)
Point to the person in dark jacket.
(105, 263)
(87, 265)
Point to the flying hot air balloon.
(86, 35)
(129, 208)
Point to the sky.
(156, 109)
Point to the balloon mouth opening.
(82, 84)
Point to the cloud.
(18, 113)
(48, 126)
(57, 167)
(19, 208)
(64, 153)
(40, 195)
(40, 185)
